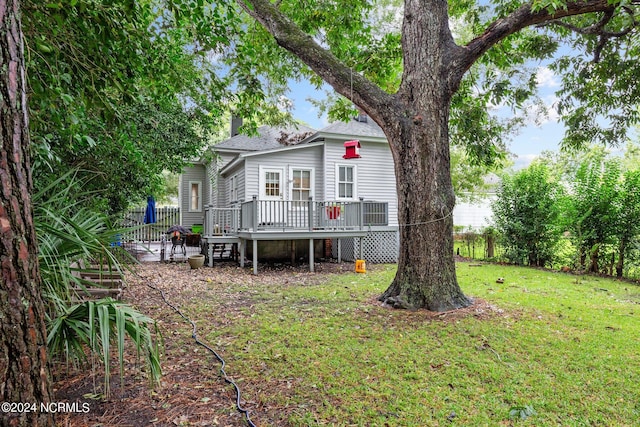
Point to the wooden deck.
(289, 220)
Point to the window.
(233, 189)
(272, 184)
(195, 196)
(346, 182)
(301, 185)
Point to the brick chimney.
(236, 122)
(362, 116)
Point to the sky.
(526, 145)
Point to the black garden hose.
(194, 335)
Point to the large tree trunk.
(426, 276)
(24, 376)
(419, 140)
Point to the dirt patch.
(191, 391)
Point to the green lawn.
(549, 349)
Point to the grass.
(549, 349)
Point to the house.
(473, 211)
(474, 214)
(333, 188)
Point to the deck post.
(361, 219)
(255, 256)
(255, 212)
(339, 241)
(310, 213)
(208, 220)
(311, 266)
(210, 252)
(243, 251)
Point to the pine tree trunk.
(24, 376)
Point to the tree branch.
(524, 17)
(353, 86)
(598, 29)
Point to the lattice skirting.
(377, 247)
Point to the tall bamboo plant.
(69, 231)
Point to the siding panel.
(221, 196)
(305, 158)
(190, 174)
(476, 215)
(225, 189)
(375, 173)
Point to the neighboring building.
(474, 211)
(334, 187)
(475, 215)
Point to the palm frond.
(96, 324)
(71, 234)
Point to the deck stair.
(96, 281)
(225, 251)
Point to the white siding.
(212, 183)
(476, 214)
(306, 158)
(219, 186)
(193, 173)
(224, 192)
(375, 174)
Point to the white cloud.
(285, 103)
(551, 103)
(523, 160)
(542, 111)
(546, 78)
(548, 110)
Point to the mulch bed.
(191, 391)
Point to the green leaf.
(521, 412)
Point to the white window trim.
(337, 181)
(312, 180)
(262, 181)
(199, 183)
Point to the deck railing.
(375, 213)
(221, 221)
(257, 215)
(265, 215)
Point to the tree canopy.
(590, 45)
(121, 90)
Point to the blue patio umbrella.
(150, 215)
(150, 212)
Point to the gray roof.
(268, 138)
(355, 128)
